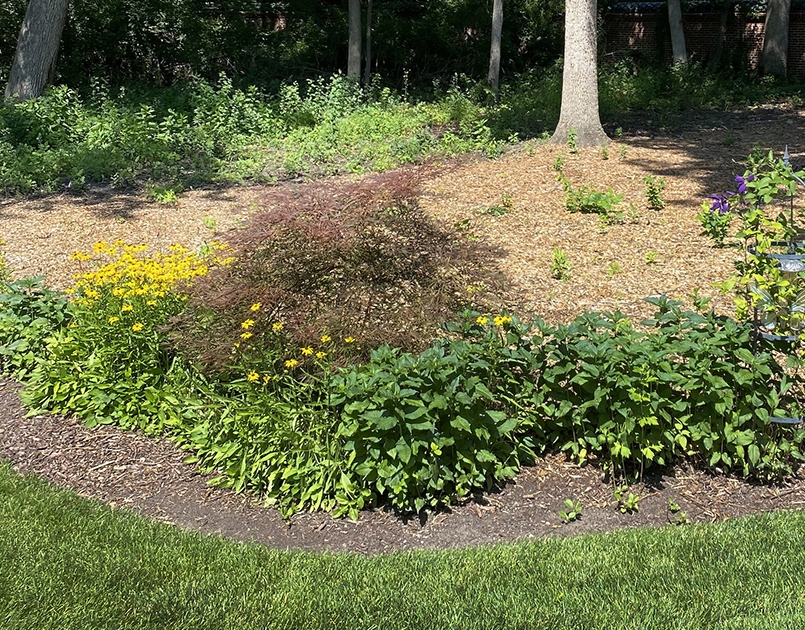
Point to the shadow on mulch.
(130, 471)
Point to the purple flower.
(741, 181)
(721, 203)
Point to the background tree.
(774, 59)
(494, 52)
(355, 44)
(367, 68)
(34, 61)
(678, 48)
(580, 77)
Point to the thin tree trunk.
(37, 49)
(367, 69)
(718, 50)
(774, 59)
(494, 52)
(354, 51)
(580, 77)
(678, 49)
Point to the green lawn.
(72, 563)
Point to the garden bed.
(515, 204)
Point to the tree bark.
(774, 59)
(494, 52)
(678, 49)
(367, 68)
(37, 49)
(580, 77)
(354, 50)
(718, 49)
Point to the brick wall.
(647, 33)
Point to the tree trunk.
(774, 59)
(580, 77)
(678, 49)
(354, 51)
(367, 68)
(718, 49)
(494, 52)
(37, 49)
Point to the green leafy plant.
(505, 206)
(651, 258)
(614, 268)
(628, 503)
(572, 141)
(571, 512)
(164, 194)
(655, 187)
(560, 265)
(559, 163)
(604, 152)
(675, 513)
(590, 200)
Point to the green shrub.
(30, 314)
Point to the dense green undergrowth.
(298, 398)
(196, 132)
(73, 563)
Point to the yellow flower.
(321, 355)
(247, 324)
(137, 327)
(113, 320)
(349, 339)
(291, 363)
(236, 344)
(253, 376)
(256, 307)
(326, 339)
(151, 303)
(266, 378)
(507, 320)
(307, 351)
(81, 256)
(482, 320)
(245, 335)
(277, 326)
(499, 321)
(126, 308)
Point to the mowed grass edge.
(68, 562)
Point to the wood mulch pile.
(652, 252)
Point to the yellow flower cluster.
(497, 320)
(130, 274)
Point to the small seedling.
(560, 265)
(604, 152)
(700, 302)
(619, 132)
(679, 517)
(651, 258)
(623, 151)
(614, 269)
(210, 223)
(164, 194)
(572, 511)
(628, 503)
(655, 186)
(572, 141)
(558, 164)
(505, 206)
